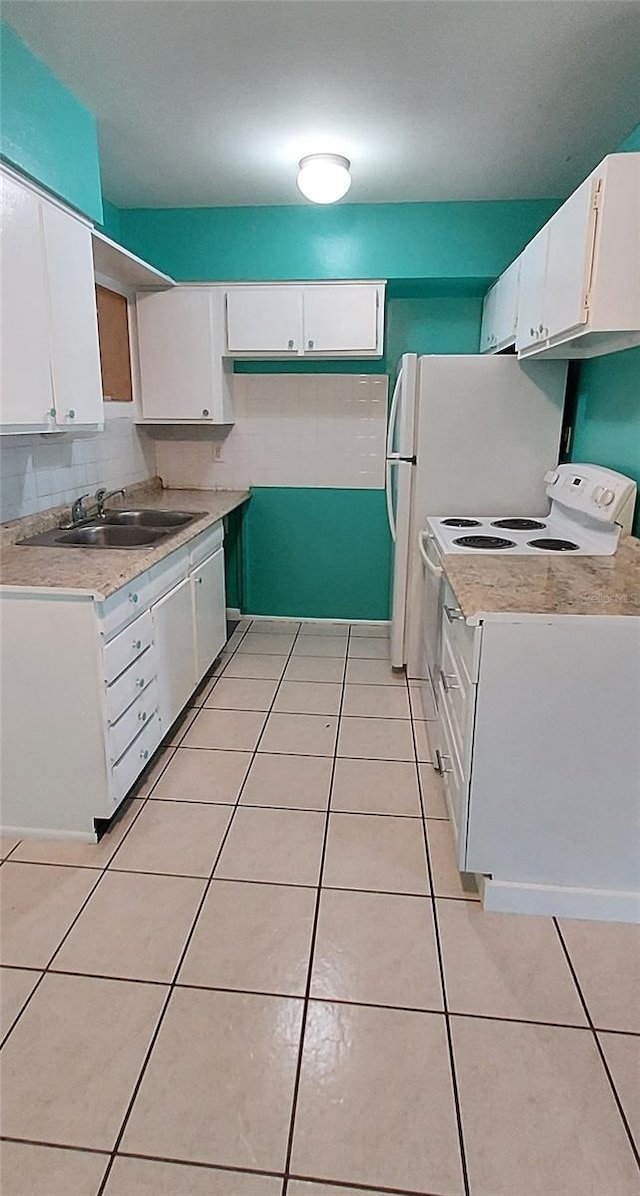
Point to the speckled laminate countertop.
(490, 584)
(101, 573)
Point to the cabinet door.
(533, 267)
(173, 632)
(569, 258)
(209, 604)
(264, 320)
(340, 319)
(506, 308)
(488, 331)
(26, 396)
(176, 367)
(75, 353)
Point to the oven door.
(432, 594)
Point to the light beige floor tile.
(71, 1063)
(538, 1115)
(252, 937)
(506, 965)
(261, 667)
(297, 1187)
(373, 672)
(145, 1177)
(370, 630)
(134, 927)
(232, 730)
(376, 701)
(424, 750)
(174, 837)
(368, 648)
(72, 851)
(321, 645)
(375, 787)
(295, 782)
(39, 903)
(324, 628)
(154, 769)
(232, 1061)
(606, 957)
(15, 986)
(376, 739)
(7, 845)
(265, 644)
(300, 734)
(28, 1170)
(314, 668)
(274, 627)
(447, 880)
(307, 697)
(179, 728)
(379, 854)
(197, 775)
(382, 1111)
(622, 1052)
(283, 846)
(433, 797)
(238, 693)
(376, 948)
(422, 702)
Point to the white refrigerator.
(467, 435)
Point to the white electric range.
(590, 508)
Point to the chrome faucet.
(101, 497)
(77, 510)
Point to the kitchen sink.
(117, 529)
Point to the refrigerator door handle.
(393, 414)
(390, 511)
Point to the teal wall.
(316, 553)
(45, 132)
(110, 223)
(607, 418)
(452, 241)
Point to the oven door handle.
(423, 538)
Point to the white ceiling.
(213, 102)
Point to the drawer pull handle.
(441, 757)
(452, 612)
(140, 682)
(137, 644)
(142, 716)
(449, 681)
(133, 597)
(145, 754)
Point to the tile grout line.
(599, 1048)
(314, 932)
(436, 927)
(173, 984)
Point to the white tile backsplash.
(41, 471)
(324, 430)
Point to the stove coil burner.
(519, 525)
(465, 523)
(551, 545)
(490, 543)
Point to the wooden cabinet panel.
(115, 349)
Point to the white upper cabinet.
(183, 376)
(48, 325)
(500, 311)
(316, 320)
(580, 276)
(264, 320)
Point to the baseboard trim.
(603, 905)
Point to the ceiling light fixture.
(324, 178)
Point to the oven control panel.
(601, 494)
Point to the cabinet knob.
(199, 581)
(140, 682)
(144, 755)
(541, 328)
(52, 412)
(205, 412)
(133, 597)
(309, 344)
(142, 716)
(532, 332)
(290, 344)
(137, 644)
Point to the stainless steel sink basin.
(109, 536)
(149, 518)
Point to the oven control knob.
(603, 496)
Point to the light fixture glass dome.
(324, 178)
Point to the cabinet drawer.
(124, 606)
(127, 687)
(457, 692)
(452, 774)
(122, 733)
(461, 637)
(127, 646)
(129, 767)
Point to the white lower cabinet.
(540, 777)
(90, 688)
